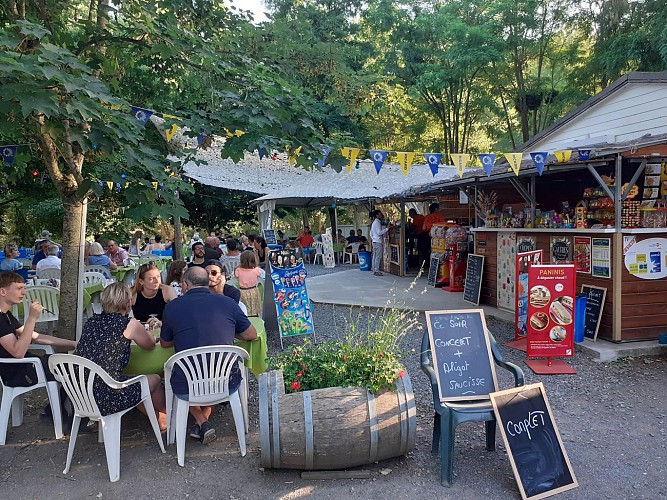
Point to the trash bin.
(579, 317)
(364, 261)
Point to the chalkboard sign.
(433, 271)
(473, 284)
(270, 236)
(595, 297)
(461, 354)
(533, 444)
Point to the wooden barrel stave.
(334, 428)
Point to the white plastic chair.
(243, 307)
(352, 252)
(207, 370)
(12, 397)
(49, 273)
(104, 271)
(77, 375)
(44, 282)
(94, 278)
(319, 252)
(48, 296)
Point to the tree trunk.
(74, 224)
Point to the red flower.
(299, 374)
(296, 386)
(401, 373)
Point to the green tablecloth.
(120, 272)
(144, 362)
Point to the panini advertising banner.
(523, 261)
(551, 311)
(290, 295)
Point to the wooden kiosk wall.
(635, 309)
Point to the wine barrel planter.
(333, 428)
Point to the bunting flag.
(460, 161)
(405, 160)
(110, 185)
(261, 152)
(514, 159)
(236, 133)
(323, 160)
(487, 160)
(378, 156)
(433, 160)
(154, 185)
(350, 154)
(292, 156)
(584, 154)
(171, 132)
(8, 154)
(141, 115)
(118, 186)
(202, 137)
(563, 155)
(539, 158)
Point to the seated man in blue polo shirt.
(200, 318)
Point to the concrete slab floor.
(361, 288)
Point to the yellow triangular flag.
(292, 157)
(514, 159)
(110, 184)
(239, 133)
(460, 161)
(127, 185)
(154, 185)
(563, 155)
(170, 133)
(351, 154)
(405, 160)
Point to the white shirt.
(50, 262)
(377, 231)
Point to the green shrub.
(368, 356)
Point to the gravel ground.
(612, 418)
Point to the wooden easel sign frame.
(461, 355)
(532, 441)
(599, 318)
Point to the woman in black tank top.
(149, 295)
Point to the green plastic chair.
(449, 414)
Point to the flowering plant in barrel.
(368, 355)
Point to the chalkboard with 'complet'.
(461, 354)
(473, 283)
(534, 446)
(595, 297)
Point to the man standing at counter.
(376, 238)
(201, 318)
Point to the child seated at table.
(248, 275)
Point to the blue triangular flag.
(261, 152)
(202, 136)
(141, 115)
(433, 160)
(539, 158)
(322, 161)
(488, 160)
(584, 154)
(8, 154)
(378, 158)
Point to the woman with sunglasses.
(217, 281)
(149, 295)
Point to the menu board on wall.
(505, 284)
(525, 243)
(551, 311)
(523, 261)
(601, 257)
(582, 254)
(561, 249)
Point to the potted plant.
(341, 403)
